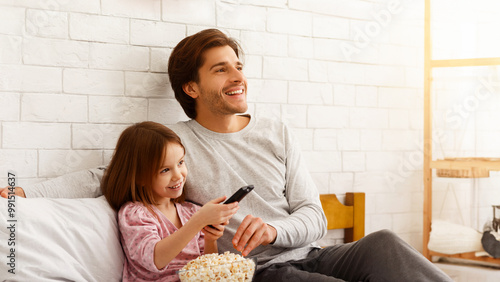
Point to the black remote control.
(238, 195)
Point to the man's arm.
(7, 191)
(306, 222)
(80, 184)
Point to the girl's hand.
(213, 213)
(214, 232)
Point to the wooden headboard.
(350, 216)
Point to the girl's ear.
(191, 89)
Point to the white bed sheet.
(61, 239)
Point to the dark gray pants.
(380, 256)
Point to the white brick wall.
(24, 162)
(117, 109)
(149, 33)
(57, 162)
(12, 20)
(43, 23)
(259, 42)
(146, 84)
(30, 78)
(268, 91)
(99, 28)
(55, 52)
(150, 10)
(285, 68)
(310, 93)
(242, 17)
(297, 22)
(11, 112)
(74, 74)
(96, 82)
(54, 107)
(175, 11)
(327, 117)
(11, 49)
(118, 57)
(96, 136)
(30, 135)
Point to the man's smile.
(234, 92)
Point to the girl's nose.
(176, 174)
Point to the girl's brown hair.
(138, 156)
(186, 59)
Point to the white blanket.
(59, 239)
(450, 238)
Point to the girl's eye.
(181, 162)
(165, 170)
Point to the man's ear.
(191, 88)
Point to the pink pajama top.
(140, 231)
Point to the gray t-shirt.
(264, 154)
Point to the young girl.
(160, 232)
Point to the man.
(279, 221)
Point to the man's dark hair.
(187, 58)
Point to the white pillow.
(61, 239)
(450, 238)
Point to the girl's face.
(170, 178)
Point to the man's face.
(221, 89)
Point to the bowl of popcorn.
(218, 267)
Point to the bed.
(77, 239)
(349, 216)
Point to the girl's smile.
(177, 186)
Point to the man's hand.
(252, 232)
(4, 192)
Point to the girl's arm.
(211, 213)
(211, 236)
(211, 247)
(169, 247)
